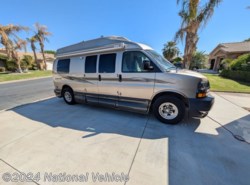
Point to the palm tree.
(170, 50)
(6, 32)
(15, 46)
(194, 15)
(41, 36)
(32, 40)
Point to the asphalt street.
(18, 93)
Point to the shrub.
(2, 69)
(3, 57)
(226, 63)
(11, 65)
(242, 63)
(236, 75)
(27, 62)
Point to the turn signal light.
(201, 95)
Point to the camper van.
(122, 74)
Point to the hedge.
(236, 75)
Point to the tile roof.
(236, 47)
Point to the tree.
(170, 51)
(41, 35)
(50, 52)
(247, 40)
(32, 40)
(199, 59)
(194, 15)
(15, 46)
(6, 32)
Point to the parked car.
(118, 73)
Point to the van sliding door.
(107, 80)
(91, 79)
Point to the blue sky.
(153, 22)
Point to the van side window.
(132, 61)
(63, 66)
(107, 63)
(90, 64)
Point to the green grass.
(219, 83)
(19, 76)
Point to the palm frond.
(207, 12)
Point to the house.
(49, 57)
(227, 50)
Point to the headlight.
(202, 89)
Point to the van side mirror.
(147, 65)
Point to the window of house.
(90, 64)
(107, 63)
(63, 66)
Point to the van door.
(136, 84)
(107, 80)
(91, 79)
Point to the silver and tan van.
(116, 72)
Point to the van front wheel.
(68, 96)
(170, 110)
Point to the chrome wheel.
(67, 96)
(168, 110)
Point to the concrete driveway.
(116, 147)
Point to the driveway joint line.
(229, 101)
(16, 170)
(138, 146)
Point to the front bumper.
(200, 107)
(58, 93)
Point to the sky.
(152, 22)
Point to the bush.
(27, 62)
(3, 57)
(11, 65)
(236, 75)
(242, 63)
(226, 63)
(2, 69)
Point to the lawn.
(19, 76)
(219, 83)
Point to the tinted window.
(133, 61)
(90, 64)
(63, 66)
(107, 63)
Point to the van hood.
(189, 73)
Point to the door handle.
(99, 77)
(120, 78)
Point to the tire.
(169, 109)
(68, 96)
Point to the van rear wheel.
(68, 96)
(169, 109)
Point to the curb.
(233, 92)
(23, 80)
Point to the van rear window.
(107, 63)
(90, 64)
(63, 66)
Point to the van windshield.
(161, 60)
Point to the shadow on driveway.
(194, 157)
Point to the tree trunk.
(190, 47)
(35, 56)
(44, 60)
(17, 60)
(8, 52)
